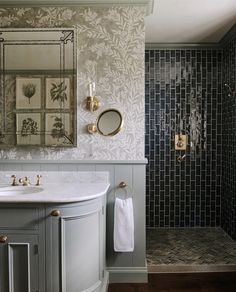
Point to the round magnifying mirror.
(109, 122)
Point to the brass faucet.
(14, 183)
(38, 180)
(25, 181)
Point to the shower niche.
(38, 87)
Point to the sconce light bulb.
(91, 88)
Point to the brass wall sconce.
(92, 102)
(92, 128)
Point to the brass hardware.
(3, 238)
(92, 103)
(14, 183)
(92, 128)
(104, 129)
(180, 142)
(181, 158)
(38, 180)
(123, 184)
(114, 131)
(55, 213)
(25, 181)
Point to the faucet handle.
(38, 180)
(27, 181)
(14, 183)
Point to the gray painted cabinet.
(20, 261)
(46, 253)
(75, 253)
(122, 267)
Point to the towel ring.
(124, 185)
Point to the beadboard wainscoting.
(122, 267)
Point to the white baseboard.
(105, 284)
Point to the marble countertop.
(53, 192)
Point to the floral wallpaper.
(111, 53)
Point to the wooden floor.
(182, 282)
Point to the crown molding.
(102, 3)
(229, 35)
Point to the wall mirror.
(109, 123)
(38, 87)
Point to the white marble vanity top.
(55, 188)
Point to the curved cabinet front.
(52, 248)
(75, 254)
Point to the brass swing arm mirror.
(38, 87)
(108, 123)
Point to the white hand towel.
(123, 225)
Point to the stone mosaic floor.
(190, 246)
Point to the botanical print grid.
(28, 93)
(110, 53)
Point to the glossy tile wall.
(183, 94)
(228, 199)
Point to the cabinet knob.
(55, 213)
(3, 238)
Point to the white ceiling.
(190, 21)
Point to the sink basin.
(19, 190)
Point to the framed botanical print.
(28, 128)
(28, 93)
(57, 93)
(58, 130)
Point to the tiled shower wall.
(183, 94)
(228, 199)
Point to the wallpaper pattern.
(111, 53)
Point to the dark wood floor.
(182, 282)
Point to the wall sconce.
(92, 128)
(92, 102)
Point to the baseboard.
(191, 268)
(127, 274)
(105, 284)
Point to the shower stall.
(191, 202)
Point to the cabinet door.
(76, 249)
(19, 263)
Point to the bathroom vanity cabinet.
(52, 247)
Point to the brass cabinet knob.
(3, 238)
(123, 184)
(55, 213)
